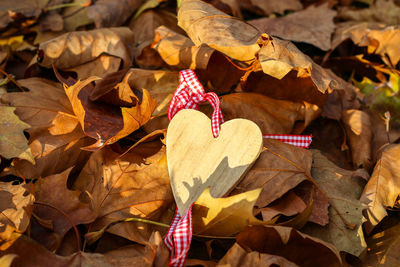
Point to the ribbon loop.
(189, 94)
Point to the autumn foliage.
(85, 88)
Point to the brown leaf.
(383, 248)
(32, 254)
(13, 143)
(272, 6)
(378, 38)
(271, 115)
(279, 57)
(103, 122)
(136, 185)
(295, 77)
(100, 67)
(382, 189)
(289, 204)
(231, 7)
(319, 213)
(290, 244)
(329, 137)
(179, 52)
(313, 25)
(75, 16)
(9, 10)
(212, 67)
(55, 136)
(111, 13)
(230, 36)
(75, 48)
(144, 28)
(379, 135)
(51, 21)
(224, 216)
(114, 89)
(279, 168)
(358, 128)
(238, 257)
(54, 195)
(343, 191)
(161, 85)
(385, 11)
(15, 211)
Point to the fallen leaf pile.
(84, 93)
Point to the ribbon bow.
(189, 94)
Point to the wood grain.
(197, 160)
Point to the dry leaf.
(105, 123)
(384, 248)
(319, 213)
(212, 67)
(224, 216)
(13, 143)
(238, 257)
(114, 90)
(272, 6)
(205, 24)
(111, 13)
(75, 16)
(32, 254)
(9, 10)
(271, 115)
(52, 191)
(179, 52)
(161, 85)
(379, 135)
(378, 38)
(51, 21)
(144, 28)
(278, 58)
(344, 192)
(15, 211)
(54, 128)
(290, 244)
(231, 7)
(136, 185)
(358, 128)
(75, 48)
(100, 67)
(279, 168)
(382, 190)
(313, 25)
(385, 11)
(289, 204)
(6, 260)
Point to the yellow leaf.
(6, 260)
(225, 216)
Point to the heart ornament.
(197, 160)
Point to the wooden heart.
(197, 160)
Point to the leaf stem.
(135, 219)
(78, 238)
(12, 80)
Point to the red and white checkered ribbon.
(179, 236)
(303, 141)
(190, 94)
